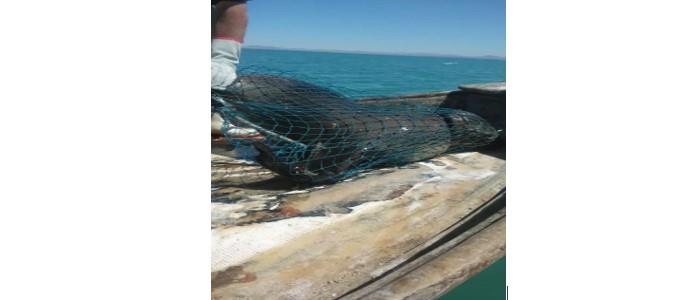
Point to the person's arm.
(232, 21)
(229, 32)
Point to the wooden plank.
(432, 99)
(466, 228)
(485, 88)
(449, 269)
(323, 242)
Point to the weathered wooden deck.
(412, 232)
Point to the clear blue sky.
(458, 27)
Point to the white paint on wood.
(234, 245)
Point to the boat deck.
(411, 232)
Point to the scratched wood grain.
(272, 239)
(445, 267)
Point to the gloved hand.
(233, 132)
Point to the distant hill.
(261, 47)
(493, 57)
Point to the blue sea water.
(378, 75)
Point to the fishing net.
(314, 134)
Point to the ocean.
(377, 75)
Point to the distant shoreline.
(258, 47)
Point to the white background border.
(596, 152)
(105, 150)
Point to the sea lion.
(314, 134)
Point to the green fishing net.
(316, 134)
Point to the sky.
(454, 27)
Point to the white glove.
(224, 58)
(233, 131)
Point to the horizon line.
(423, 54)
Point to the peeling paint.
(235, 245)
(298, 242)
(295, 192)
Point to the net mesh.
(314, 134)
